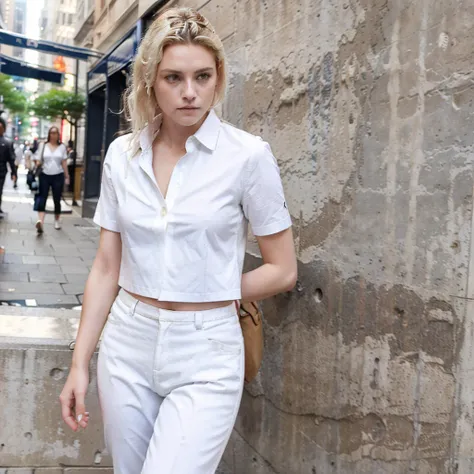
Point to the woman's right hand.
(72, 398)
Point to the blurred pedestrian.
(7, 155)
(70, 161)
(18, 159)
(52, 171)
(28, 156)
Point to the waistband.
(152, 312)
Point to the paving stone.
(86, 470)
(41, 299)
(87, 245)
(75, 269)
(12, 258)
(38, 260)
(48, 470)
(47, 269)
(17, 252)
(22, 287)
(69, 260)
(14, 277)
(45, 252)
(18, 470)
(20, 268)
(87, 252)
(88, 261)
(65, 252)
(77, 278)
(64, 246)
(46, 277)
(73, 288)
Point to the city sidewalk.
(46, 270)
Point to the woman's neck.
(174, 136)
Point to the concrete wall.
(368, 106)
(34, 361)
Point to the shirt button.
(163, 211)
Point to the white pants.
(170, 385)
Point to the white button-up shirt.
(190, 246)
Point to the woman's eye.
(172, 78)
(204, 77)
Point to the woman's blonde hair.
(173, 26)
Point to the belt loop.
(198, 320)
(133, 308)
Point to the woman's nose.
(189, 90)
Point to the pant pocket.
(225, 336)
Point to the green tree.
(59, 103)
(13, 100)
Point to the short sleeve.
(263, 200)
(64, 153)
(106, 212)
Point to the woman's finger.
(66, 411)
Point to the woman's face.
(54, 135)
(186, 83)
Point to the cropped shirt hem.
(179, 297)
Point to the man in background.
(7, 155)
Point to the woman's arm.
(100, 292)
(279, 270)
(66, 171)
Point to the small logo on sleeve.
(284, 205)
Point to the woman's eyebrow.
(174, 71)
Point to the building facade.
(14, 19)
(3, 10)
(117, 31)
(84, 37)
(58, 23)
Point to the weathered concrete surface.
(368, 106)
(34, 361)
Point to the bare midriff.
(176, 306)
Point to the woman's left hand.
(67, 181)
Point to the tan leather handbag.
(251, 323)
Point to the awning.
(118, 57)
(13, 67)
(122, 54)
(97, 76)
(15, 39)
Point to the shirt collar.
(207, 134)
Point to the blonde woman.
(177, 195)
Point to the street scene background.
(368, 107)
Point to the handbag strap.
(252, 311)
(42, 154)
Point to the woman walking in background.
(51, 160)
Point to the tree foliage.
(59, 103)
(13, 100)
